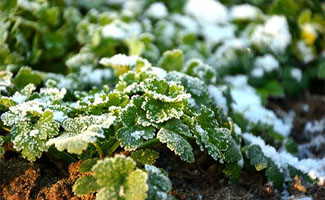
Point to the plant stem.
(149, 143)
(99, 150)
(113, 148)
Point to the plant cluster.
(83, 80)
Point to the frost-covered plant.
(118, 178)
(185, 75)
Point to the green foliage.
(2, 151)
(80, 132)
(172, 60)
(213, 73)
(31, 137)
(260, 162)
(85, 185)
(114, 178)
(145, 157)
(159, 184)
(26, 76)
(174, 133)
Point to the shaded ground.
(49, 179)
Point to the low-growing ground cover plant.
(107, 82)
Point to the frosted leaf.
(207, 11)
(76, 142)
(82, 58)
(118, 179)
(159, 183)
(136, 185)
(177, 143)
(19, 112)
(172, 60)
(132, 137)
(273, 34)
(85, 185)
(145, 157)
(165, 91)
(208, 135)
(32, 138)
(192, 85)
(123, 63)
(159, 112)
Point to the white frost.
(244, 12)
(296, 74)
(249, 104)
(207, 11)
(273, 34)
(157, 10)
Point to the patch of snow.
(187, 22)
(157, 10)
(296, 73)
(159, 72)
(273, 34)
(121, 30)
(207, 11)
(227, 51)
(267, 62)
(217, 33)
(249, 104)
(19, 98)
(219, 99)
(244, 12)
(59, 116)
(315, 168)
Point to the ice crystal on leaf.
(174, 133)
(31, 137)
(81, 131)
(118, 180)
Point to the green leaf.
(2, 151)
(208, 134)
(193, 86)
(7, 102)
(145, 157)
(172, 135)
(274, 175)
(135, 46)
(77, 142)
(25, 76)
(112, 172)
(136, 185)
(159, 112)
(234, 160)
(133, 136)
(32, 138)
(165, 91)
(172, 60)
(291, 145)
(87, 165)
(8, 6)
(260, 162)
(118, 179)
(85, 185)
(257, 158)
(159, 183)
